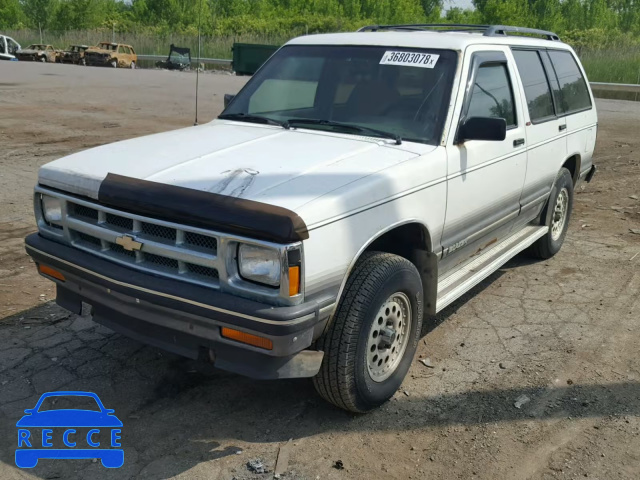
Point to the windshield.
(404, 91)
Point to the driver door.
(484, 178)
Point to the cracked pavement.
(560, 337)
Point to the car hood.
(69, 418)
(293, 168)
(30, 51)
(98, 50)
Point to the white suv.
(358, 182)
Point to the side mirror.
(228, 98)
(483, 128)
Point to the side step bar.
(470, 274)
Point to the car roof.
(425, 39)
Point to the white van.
(358, 182)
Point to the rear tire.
(133, 65)
(368, 352)
(556, 215)
(114, 63)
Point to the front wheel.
(369, 347)
(556, 216)
(114, 63)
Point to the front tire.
(114, 63)
(369, 347)
(556, 215)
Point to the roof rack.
(486, 30)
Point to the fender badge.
(129, 243)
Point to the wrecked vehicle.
(74, 54)
(38, 52)
(8, 48)
(179, 59)
(108, 54)
(357, 183)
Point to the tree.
(10, 13)
(39, 12)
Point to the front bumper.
(185, 318)
(97, 61)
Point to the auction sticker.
(409, 59)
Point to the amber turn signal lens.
(51, 272)
(247, 338)
(294, 281)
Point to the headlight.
(259, 264)
(51, 209)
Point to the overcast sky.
(458, 3)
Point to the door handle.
(518, 142)
(562, 127)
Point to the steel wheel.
(560, 214)
(388, 337)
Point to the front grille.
(201, 241)
(200, 271)
(158, 231)
(123, 223)
(81, 211)
(88, 240)
(119, 251)
(166, 250)
(162, 262)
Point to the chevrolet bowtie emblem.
(128, 243)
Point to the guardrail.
(615, 87)
(212, 61)
(607, 87)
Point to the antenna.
(198, 64)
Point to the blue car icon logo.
(69, 433)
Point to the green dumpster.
(249, 57)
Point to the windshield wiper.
(245, 117)
(347, 126)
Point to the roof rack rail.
(497, 30)
(486, 30)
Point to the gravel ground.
(558, 338)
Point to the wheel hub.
(560, 214)
(388, 337)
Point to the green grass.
(615, 65)
(612, 65)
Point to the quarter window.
(536, 85)
(492, 95)
(574, 94)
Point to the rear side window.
(574, 94)
(492, 95)
(536, 86)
